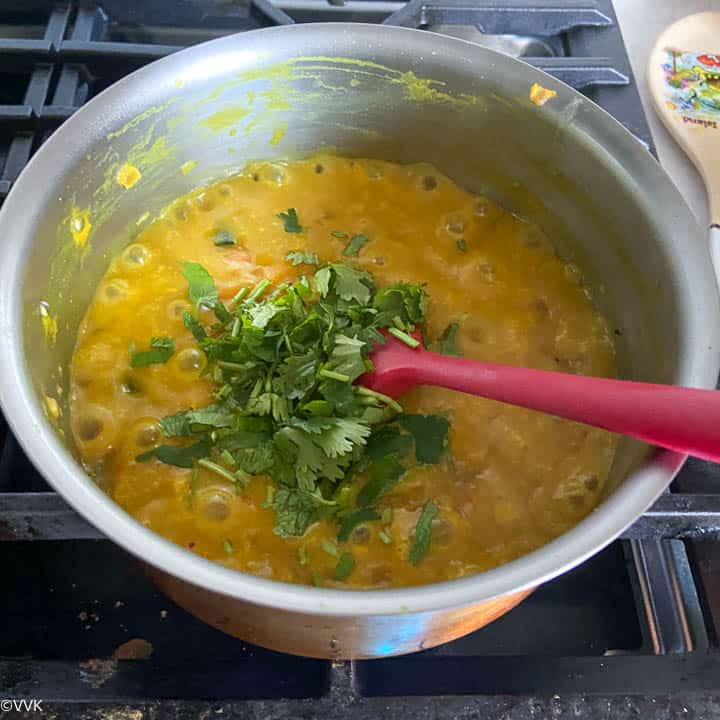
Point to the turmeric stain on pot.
(127, 176)
(278, 134)
(49, 323)
(80, 226)
(225, 118)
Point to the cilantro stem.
(227, 365)
(369, 402)
(228, 459)
(239, 295)
(217, 469)
(409, 340)
(367, 392)
(332, 375)
(258, 290)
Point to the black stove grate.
(641, 617)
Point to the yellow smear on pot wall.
(127, 176)
(80, 226)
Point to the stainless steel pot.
(371, 91)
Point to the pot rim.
(24, 416)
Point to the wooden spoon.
(684, 79)
(683, 419)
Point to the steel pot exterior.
(370, 91)
(348, 637)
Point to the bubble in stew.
(244, 328)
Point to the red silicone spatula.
(682, 419)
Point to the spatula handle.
(683, 419)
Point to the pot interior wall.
(546, 163)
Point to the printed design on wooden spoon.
(692, 86)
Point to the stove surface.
(82, 628)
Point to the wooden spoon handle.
(683, 419)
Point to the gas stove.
(83, 630)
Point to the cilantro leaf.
(162, 350)
(254, 460)
(423, 533)
(447, 342)
(295, 511)
(355, 245)
(339, 234)
(345, 566)
(383, 476)
(400, 300)
(352, 521)
(194, 327)
(341, 396)
(388, 440)
(302, 258)
(297, 374)
(201, 286)
(224, 237)
(346, 282)
(290, 221)
(461, 245)
(179, 456)
(430, 433)
(335, 436)
(347, 357)
(185, 423)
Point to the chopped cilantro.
(201, 286)
(447, 342)
(383, 476)
(217, 469)
(388, 440)
(186, 422)
(339, 234)
(345, 282)
(228, 546)
(357, 242)
(423, 532)
(290, 221)
(162, 350)
(295, 511)
(179, 456)
(282, 362)
(329, 547)
(224, 237)
(345, 566)
(352, 521)
(461, 245)
(194, 327)
(431, 436)
(302, 258)
(409, 340)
